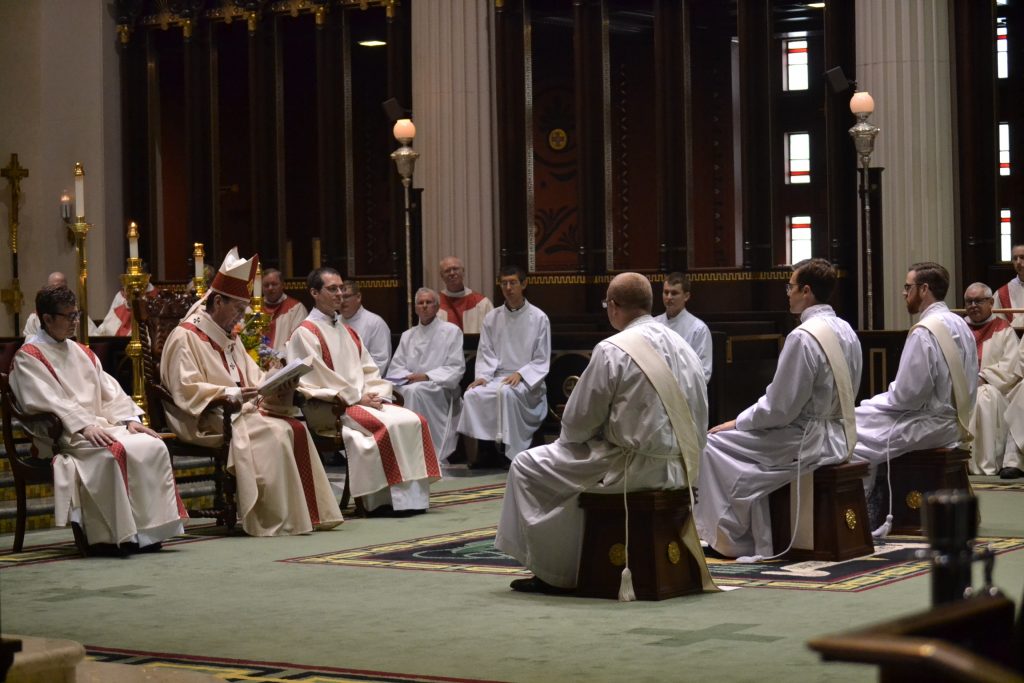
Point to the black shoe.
(381, 511)
(1011, 473)
(152, 548)
(107, 550)
(713, 554)
(535, 585)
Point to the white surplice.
(375, 335)
(282, 486)
(391, 459)
(797, 424)
(122, 493)
(510, 341)
(614, 419)
(917, 412)
(434, 349)
(1012, 293)
(1001, 374)
(695, 333)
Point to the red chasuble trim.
(34, 352)
(124, 314)
(206, 338)
(300, 449)
(982, 333)
(277, 310)
(429, 455)
(117, 450)
(380, 434)
(325, 352)
(1004, 300)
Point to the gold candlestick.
(135, 282)
(80, 230)
(199, 280)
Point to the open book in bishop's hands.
(295, 369)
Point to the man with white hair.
(54, 279)
(286, 312)
(998, 376)
(616, 433)
(282, 486)
(429, 362)
(460, 305)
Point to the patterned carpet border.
(473, 494)
(255, 671)
(1009, 485)
(473, 552)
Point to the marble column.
(903, 60)
(454, 112)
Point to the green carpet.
(473, 552)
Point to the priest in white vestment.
(391, 459)
(918, 411)
(616, 434)
(286, 312)
(675, 294)
(998, 376)
(1011, 295)
(795, 428)
(429, 363)
(460, 305)
(112, 475)
(371, 328)
(282, 486)
(507, 401)
(1013, 455)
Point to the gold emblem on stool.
(617, 554)
(673, 552)
(569, 384)
(558, 139)
(914, 500)
(851, 519)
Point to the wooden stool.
(660, 564)
(915, 474)
(841, 527)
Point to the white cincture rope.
(626, 592)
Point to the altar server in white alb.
(675, 294)
(391, 459)
(429, 362)
(460, 305)
(929, 403)
(803, 421)
(282, 486)
(622, 429)
(286, 312)
(1011, 295)
(113, 475)
(371, 328)
(507, 401)
(58, 279)
(999, 377)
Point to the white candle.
(257, 285)
(133, 241)
(79, 191)
(199, 262)
(404, 128)
(862, 103)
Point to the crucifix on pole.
(14, 172)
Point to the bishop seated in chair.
(282, 486)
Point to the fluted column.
(903, 60)
(453, 111)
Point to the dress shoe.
(535, 585)
(1011, 473)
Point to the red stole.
(286, 304)
(456, 306)
(1004, 300)
(984, 332)
(325, 352)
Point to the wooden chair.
(840, 512)
(25, 466)
(158, 316)
(337, 444)
(916, 474)
(966, 640)
(661, 566)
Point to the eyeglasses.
(604, 303)
(790, 286)
(72, 317)
(907, 288)
(977, 302)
